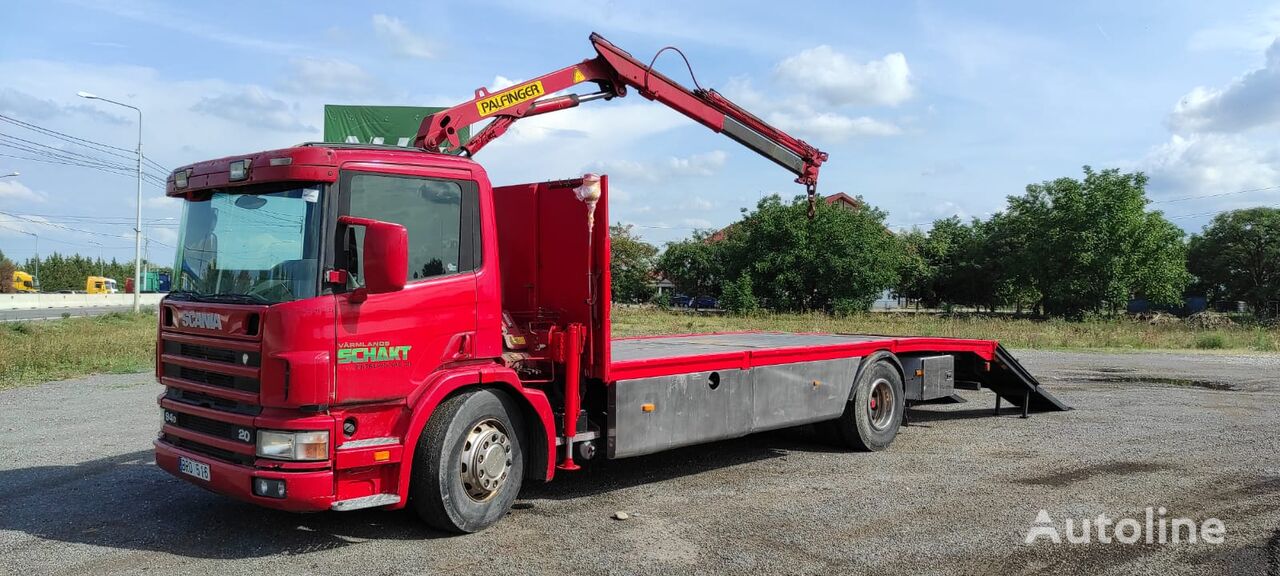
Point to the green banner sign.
(391, 125)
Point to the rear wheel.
(874, 413)
(469, 462)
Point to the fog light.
(268, 488)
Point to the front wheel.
(469, 462)
(871, 419)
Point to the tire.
(874, 413)
(464, 430)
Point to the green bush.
(1211, 341)
(737, 296)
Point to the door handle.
(462, 350)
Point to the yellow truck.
(99, 285)
(23, 282)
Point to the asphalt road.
(56, 313)
(955, 494)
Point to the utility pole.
(137, 230)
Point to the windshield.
(250, 247)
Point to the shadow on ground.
(126, 502)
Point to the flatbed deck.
(672, 355)
(649, 356)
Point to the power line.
(1214, 195)
(67, 137)
(60, 226)
(48, 239)
(110, 170)
(58, 153)
(156, 165)
(115, 151)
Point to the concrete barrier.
(38, 301)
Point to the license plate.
(192, 468)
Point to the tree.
(694, 265)
(630, 265)
(1091, 245)
(738, 296)
(1237, 257)
(841, 257)
(964, 275)
(916, 269)
(7, 268)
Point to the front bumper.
(310, 491)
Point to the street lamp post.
(10, 175)
(137, 229)
(37, 260)
(102, 266)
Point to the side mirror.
(385, 254)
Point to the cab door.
(387, 344)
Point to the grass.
(32, 352)
(1107, 334)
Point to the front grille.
(211, 378)
(207, 401)
(212, 354)
(225, 430)
(216, 363)
(207, 450)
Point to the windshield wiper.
(222, 297)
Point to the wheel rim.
(486, 460)
(881, 404)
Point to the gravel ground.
(956, 494)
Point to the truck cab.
(23, 282)
(100, 285)
(327, 297)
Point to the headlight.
(310, 445)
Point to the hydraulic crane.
(613, 70)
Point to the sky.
(927, 109)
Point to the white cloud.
(708, 164)
(831, 127)
(1250, 32)
(162, 235)
(1205, 164)
(24, 105)
(699, 223)
(698, 164)
(838, 80)
(1251, 101)
(397, 36)
(501, 83)
(798, 114)
(1223, 153)
(697, 203)
(253, 106)
(13, 192)
(327, 76)
(161, 202)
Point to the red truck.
(361, 326)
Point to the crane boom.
(613, 70)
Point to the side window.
(431, 210)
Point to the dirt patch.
(1068, 477)
(1116, 370)
(1120, 378)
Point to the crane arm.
(613, 70)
